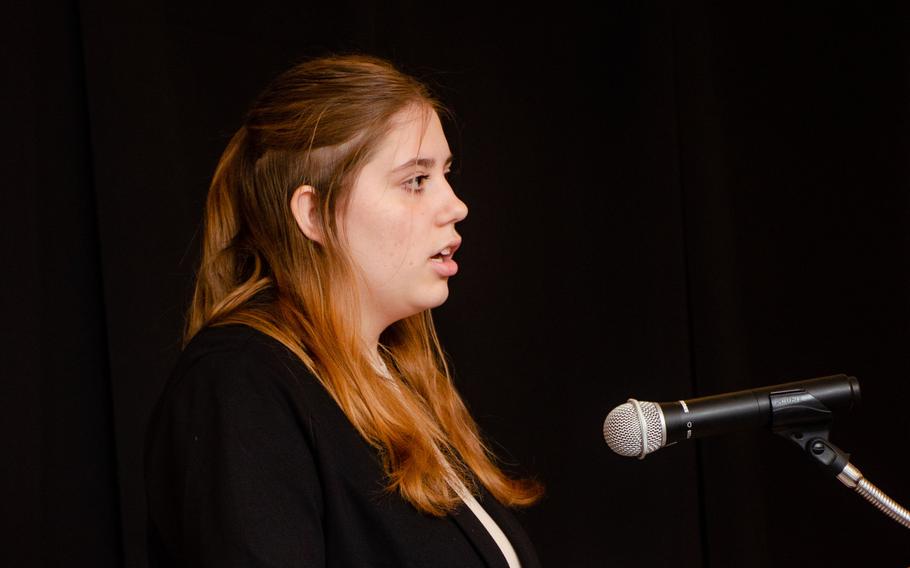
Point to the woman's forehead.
(416, 138)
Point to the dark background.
(667, 200)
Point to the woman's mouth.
(443, 263)
(442, 255)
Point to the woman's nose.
(455, 209)
(461, 209)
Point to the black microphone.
(637, 428)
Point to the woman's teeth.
(441, 256)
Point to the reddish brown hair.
(318, 124)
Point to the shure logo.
(787, 400)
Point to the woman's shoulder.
(235, 343)
(229, 339)
(236, 362)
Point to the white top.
(498, 536)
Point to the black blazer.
(250, 462)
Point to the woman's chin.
(438, 298)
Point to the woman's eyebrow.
(422, 162)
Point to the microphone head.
(635, 429)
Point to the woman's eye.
(415, 184)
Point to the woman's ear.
(303, 206)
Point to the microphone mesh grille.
(622, 429)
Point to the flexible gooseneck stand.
(789, 422)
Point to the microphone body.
(639, 428)
(754, 408)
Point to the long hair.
(318, 124)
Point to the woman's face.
(402, 212)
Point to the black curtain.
(666, 200)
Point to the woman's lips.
(444, 266)
(442, 261)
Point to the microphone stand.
(804, 420)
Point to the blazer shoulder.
(231, 338)
(236, 343)
(239, 361)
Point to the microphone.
(638, 428)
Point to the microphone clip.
(804, 420)
(798, 416)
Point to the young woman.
(311, 418)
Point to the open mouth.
(442, 255)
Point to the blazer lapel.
(478, 535)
